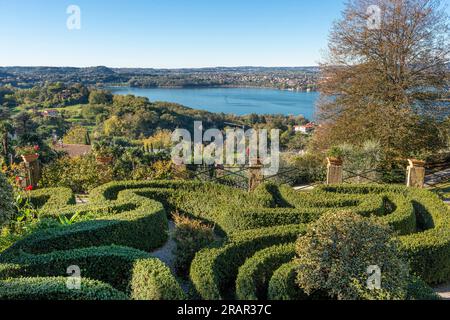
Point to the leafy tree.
(100, 97)
(162, 139)
(385, 82)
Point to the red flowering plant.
(26, 212)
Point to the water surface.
(239, 101)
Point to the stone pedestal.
(415, 177)
(33, 173)
(335, 171)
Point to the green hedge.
(152, 280)
(111, 190)
(402, 218)
(144, 227)
(214, 270)
(131, 271)
(134, 215)
(282, 284)
(428, 248)
(208, 201)
(54, 288)
(254, 275)
(52, 199)
(109, 264)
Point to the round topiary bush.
(6, 200)
(339, 250)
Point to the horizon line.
(155, 67)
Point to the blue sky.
(166, 33)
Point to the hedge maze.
(125, 221)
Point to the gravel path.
(165, 253)
(437, 177)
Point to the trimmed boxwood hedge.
(52, 199)
(144, 227)
(129, 270)
(282, 284)
(54, 288)
(428, 248)
(134, 215)
(214, 270)
(254, 275)
(152, 280)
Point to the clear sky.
(166, 33)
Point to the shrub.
(80, 174)
(6, 200)
(336, 251)
(52, 199)
(428, 249)
(190, 237)
(152, 280)
(254, 275)
(419, 290)
(138, 223)
(55, 288)
(214, 270)
(282, 285)
(128, 270)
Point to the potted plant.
(29, 154)
(335, 155)
(418, 159)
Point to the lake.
(239, 101)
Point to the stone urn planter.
(416, 163)
(29, 158)
(332, 161)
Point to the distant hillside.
(298, 78)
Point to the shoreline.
(208, 87)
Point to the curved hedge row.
(254, 275)
(214, 270)
(54, 288)
(428, 248)
(259, 228)
(52, 199)
(128, 270)
(105, 248)
(282, 284)
(139, 223)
